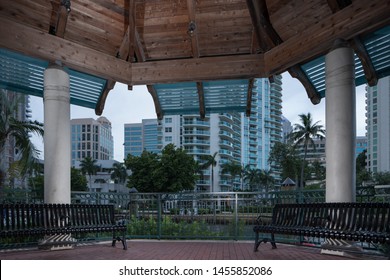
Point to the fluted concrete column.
(340, 124)
(57, 138)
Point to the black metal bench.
(356, 222)
(25, 220)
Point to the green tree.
(12, 128)
(172, 171)
(210, 161)
(382, 178)
(303, 134)
(36, 184)
(143, 171)
(319, 170)
(177, 170)
(78, 182)
(283, 157)
(89, 167)
(253, 177)
(119, 173)
(266, 180)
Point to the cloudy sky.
(124, 106)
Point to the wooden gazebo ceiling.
(149, 42)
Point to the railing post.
(236, 216)
(159, 215)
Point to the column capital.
(339, 43)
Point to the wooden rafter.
(268, 38)
(192, 28)
(132, 30)
(337, 5)
(32, 42)
(156, 101)
(296, 72)
(368, 67)
(314, 41)
(59, 17)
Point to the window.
(168, 129)
(168, 120)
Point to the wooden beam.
(132, 30)
(368, 67)
(157, 105)
(102, 99)
(198, 69)
(38, 44)
(61, 21)
(202, 108)
(358, 18)
(192, 28)
(249, 97)
(266, 35)
(337, 5)
(271, 39)
(297, 72)
(254, 13)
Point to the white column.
(57, 137)
(340, 124)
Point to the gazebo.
(192, 55)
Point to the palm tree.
(19, 131)
(252, 176)
(266, 179)
(303, 134)
(210, 161)
(233, 169)
(119, 173)
(89, 167)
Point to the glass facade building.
(141, 136)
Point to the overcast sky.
(124, 106)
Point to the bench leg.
(273, 241)
(257, 243)
(264, 240)
(123, 240)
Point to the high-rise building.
(264, 126)
(361, 144)
(217, 135)
(92, 138)
(286, 128)
(229, 137)
(378, 126)
(141, 136)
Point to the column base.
(341, 248)
(57, 242)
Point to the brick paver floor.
(175, 250)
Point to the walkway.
(176, 250)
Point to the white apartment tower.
(378, 126)
(92, 138)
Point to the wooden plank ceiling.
(148, 42)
